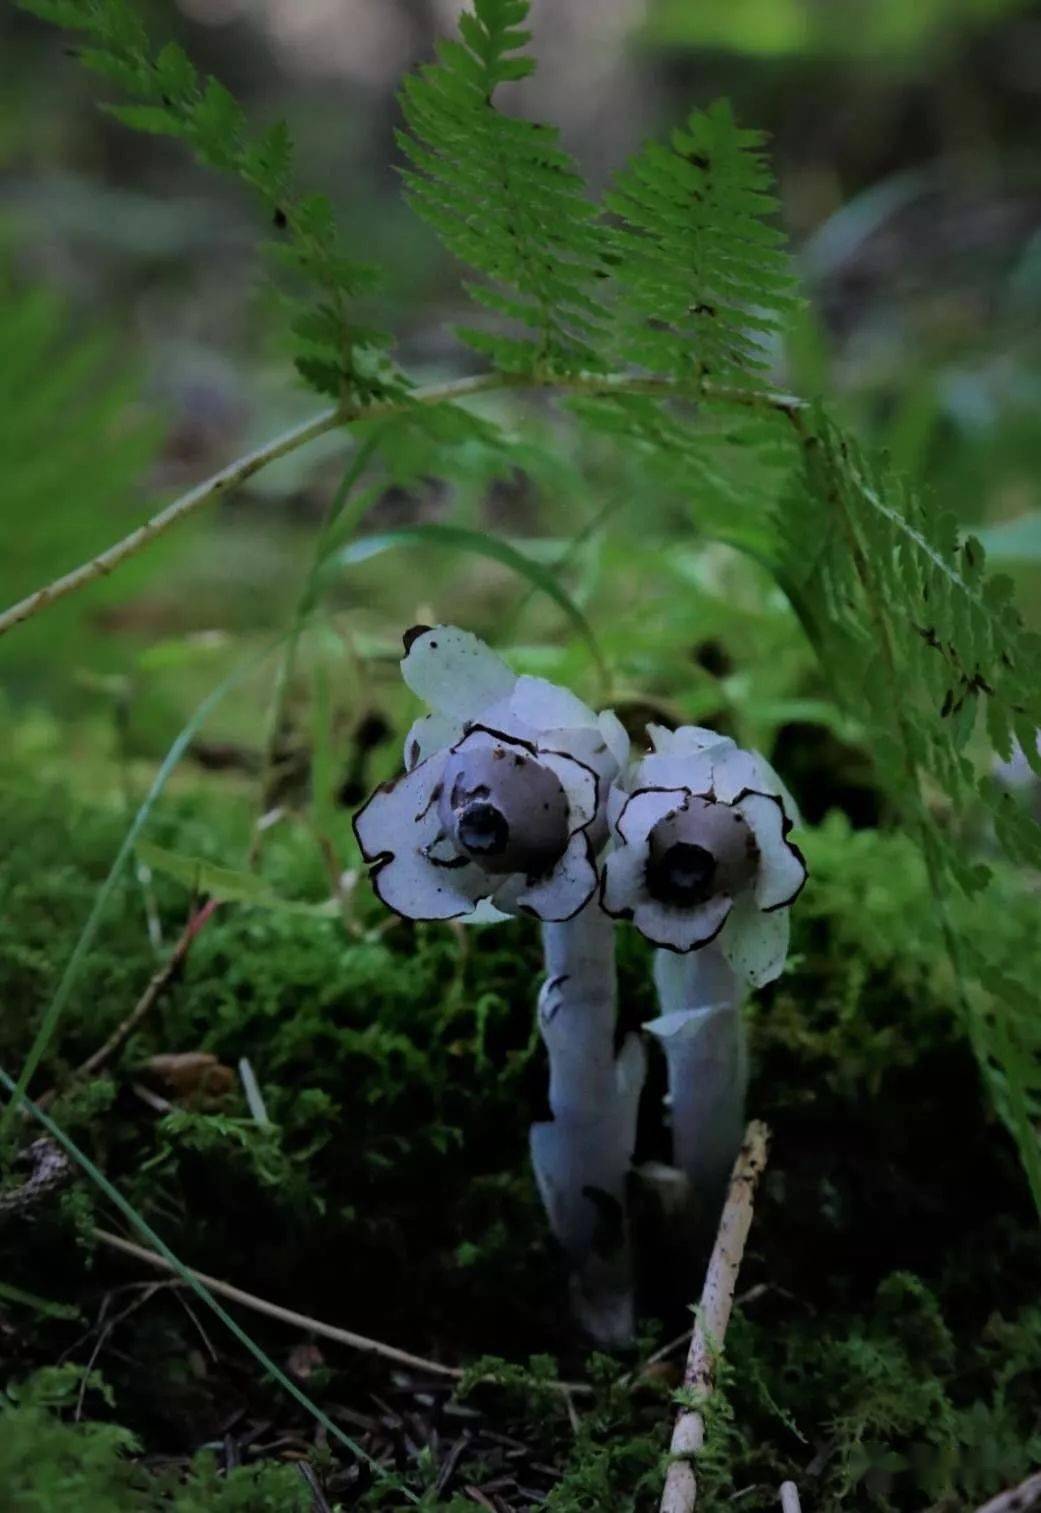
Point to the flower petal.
(617, 799)
(754, 943)
(686, 740)
(682, 929)
(402, 814)
(616, 737)
(430, 733)
(623, 880)
(417, 888)
(676, 769)
(644, 808)
(567, 889)
(454, 672)
(782, 871)
(580, 784)
(395, 829)
(737, 771)
(541, 705)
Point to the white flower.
(504, 793)
(702, 851)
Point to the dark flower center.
(483, 829)
(683, 874)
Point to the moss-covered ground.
(887, 1354)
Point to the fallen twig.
(717, 1299)
(664, 1351)
(302, 1320)
(235, 473)
(276, 1311)
(1017, 1499)
(157, 985)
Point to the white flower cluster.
(518, 798)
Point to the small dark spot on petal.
(413, 634)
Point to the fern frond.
(916, 631)
(927, 648)
(730, 466)
(701, 273)
(167, 96)
(503, 195)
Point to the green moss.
(889, 1359)
(52, 1461)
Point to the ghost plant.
(501, 810)
(703, 866)
(511, 790)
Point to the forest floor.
(886, 1348)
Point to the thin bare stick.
(237, 472)
(790, 1498)
(276, 1311)
(1017, 1499)
(157, 985)
(717, 1299)
(664, 1351)
(220, 483)
(229, 478)
(302, 1320)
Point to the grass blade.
(461, 539)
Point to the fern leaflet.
(503, 196)
(166, 95)
(701, 273)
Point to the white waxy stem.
(582, 1156)
(501, 810)
(701, 1031)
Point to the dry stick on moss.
(157, 986)
(302, 1320)
(1017, 1499)
(328, 420)
(717, 1299)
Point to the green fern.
(926, 647)
(700, 283)
(504, 196)
(701, 273)
(338, 355)
(914, 629)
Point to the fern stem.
(228, 478)
(220, 483)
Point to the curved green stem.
(329, 419)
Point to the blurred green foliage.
(876, 30)
(73, 447)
